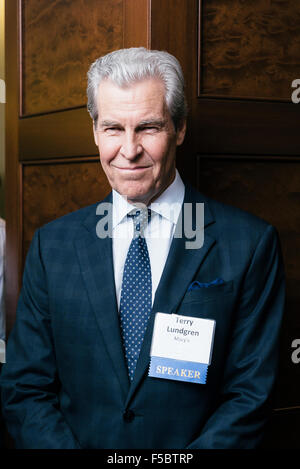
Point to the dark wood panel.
(54, 189)
(245, 128)
(55, 64)
(137, 23)
(174, 29)
(271, 190)
(60, 134)
(249, 49)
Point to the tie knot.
(141, 218)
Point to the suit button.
(128, 415)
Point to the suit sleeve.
(251, 365)
(29, 381)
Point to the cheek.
(157, 149)
(107, 152)
(163, 154)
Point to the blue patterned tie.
(136, 293)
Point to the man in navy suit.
(72, 378)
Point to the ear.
(180, 133)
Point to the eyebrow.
(155, 122)
(109, 123)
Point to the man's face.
(136, 139)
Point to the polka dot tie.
(136, 292)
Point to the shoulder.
(70, 226)
(230, 214)
(68, 222)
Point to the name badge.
(181, 347)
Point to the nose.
(131, 146)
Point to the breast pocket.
(212, 293)
(210, 302)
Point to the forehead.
(143, 97)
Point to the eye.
(150, 129)
(112, 130)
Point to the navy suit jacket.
(65, 383)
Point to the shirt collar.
(168, 204)
(120, 208)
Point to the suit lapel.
(181, 266)
(95, 258)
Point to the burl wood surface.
(60, 39)
(250, 48)
(271, 190)
(53, 190)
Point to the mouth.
(135, 169)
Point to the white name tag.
(181, 347)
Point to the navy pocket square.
(197, 285)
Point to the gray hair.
(127, 66)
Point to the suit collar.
(90, 222)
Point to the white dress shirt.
(158, 234)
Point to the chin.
(136, 194)
(138, 198)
